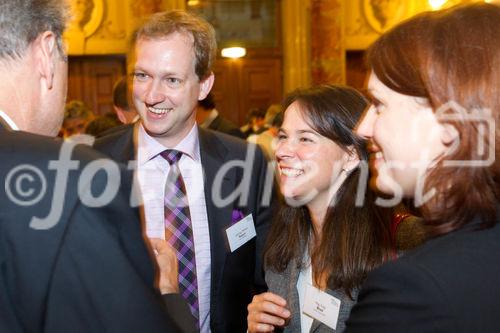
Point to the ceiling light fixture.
(437, 4)
(233, 52)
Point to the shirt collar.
(8, 121)
(149, 148)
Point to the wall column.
(175, 4)
(296, 23)
(328, 42)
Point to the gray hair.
(161, 25)
(22, 21)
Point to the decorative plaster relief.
(87, 16)
(143, 8)
(384, 14)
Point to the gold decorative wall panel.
(365, 20)
(103, 26)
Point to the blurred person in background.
(255, 124)
(77, 115)
(267, 140)
(102, 124)
(208, 117)
(124, 111)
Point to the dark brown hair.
(120, 94)
(451, 58)
(208, 103)
(355, 240)
(161, 25)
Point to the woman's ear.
(352, 159)
(449, 135)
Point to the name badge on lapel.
(240, 232)
(321, 306)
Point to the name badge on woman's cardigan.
(321, 306)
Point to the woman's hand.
(266, 312)
(166, 259)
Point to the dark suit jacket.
(236, 276)
(449, 284)
(221, 124)
(91, 271)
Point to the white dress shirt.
(8, 121)
(152, 174)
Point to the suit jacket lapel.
(219, 218)
(124, 149)
(129, 151)
(293, 294)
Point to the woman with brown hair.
(328, 234)
(435, 83)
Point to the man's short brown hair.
(161, 25)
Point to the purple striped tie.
(179, 232)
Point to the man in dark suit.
(208, 117)
(72, 256)
(225, 179)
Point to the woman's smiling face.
(308, 162)
(405, 138)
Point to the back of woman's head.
(452, 58)
(333, 112)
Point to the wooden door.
(91, 80)
(242, 84)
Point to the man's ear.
(205, 86)
(120, 115)
(46, 56)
